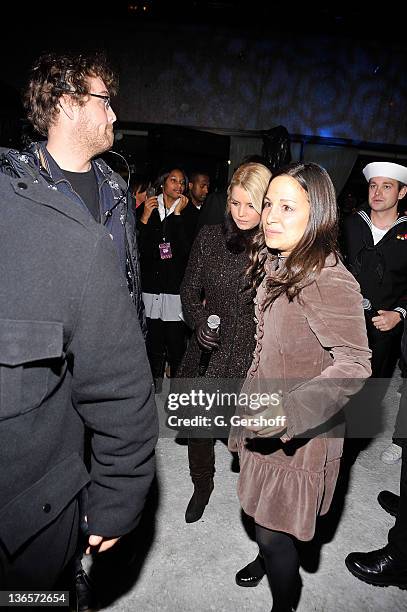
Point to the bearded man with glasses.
(68, 102)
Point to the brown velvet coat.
(314, 351)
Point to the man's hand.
(183, 201)
(386, 320)
(271, 425)
(99, 544)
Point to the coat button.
(46, 508)
(21, 185)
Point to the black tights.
(281, 562)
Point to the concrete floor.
(167, 565)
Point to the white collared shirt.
(164, 306)
(161, 207)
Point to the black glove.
(208, 339)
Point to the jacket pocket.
(36, 507)
(31, 364)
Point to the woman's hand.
(183, 201)
(267, 424)
(207, 339)
(149, 205)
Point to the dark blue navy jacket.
(381, 269)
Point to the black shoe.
(85, 592)
(378, 567)
(251, 574)
(389, 502)
(198, 502)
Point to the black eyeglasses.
(105, 98)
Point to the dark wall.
(237, 79)
(315, 86)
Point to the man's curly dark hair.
(53, 75)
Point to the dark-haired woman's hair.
(160, 180)
(53, 75)
(307, 259)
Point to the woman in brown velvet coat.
(217, 265)
(312, 352)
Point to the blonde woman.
(216, 268)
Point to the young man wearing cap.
(376, 249)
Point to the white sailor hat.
(386, 169)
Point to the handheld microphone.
(212, 325)
(368, 309)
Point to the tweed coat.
(313, 351)
(220, 273)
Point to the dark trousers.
(364, 411)
(400, 430)
(398, 533)
(165, 340)
(385, 348)
(41, 561)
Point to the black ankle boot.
(251, 574)
(198, 501)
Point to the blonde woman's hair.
(254, 178)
